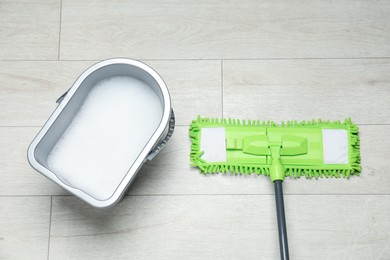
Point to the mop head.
(309, 148)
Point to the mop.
(309, 148)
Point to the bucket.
(115, 117)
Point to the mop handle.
(283, 245)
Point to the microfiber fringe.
(292, 123)
(295, 172)
(354, 142)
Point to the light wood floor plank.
(308, 89)
(170, 172)
(24, 227)
(221, 227)
(29, 29)
(29, 89)
(221, 30)
(17, 177)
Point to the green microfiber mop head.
(307, 148)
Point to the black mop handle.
(283, 245)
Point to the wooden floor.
(245, 59)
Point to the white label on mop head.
(335, 143)
(212, 142)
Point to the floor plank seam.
(48, 242)
(205, 194)
(222, 87)
(22, 126)
(191, 59)
(248, 59)
(59, 33)
(266, 194)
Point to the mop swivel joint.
(277, 171)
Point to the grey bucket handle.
(158, 148)
(62, 97)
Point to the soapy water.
(113, 125)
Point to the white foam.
(113, 125)
(335, 145)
